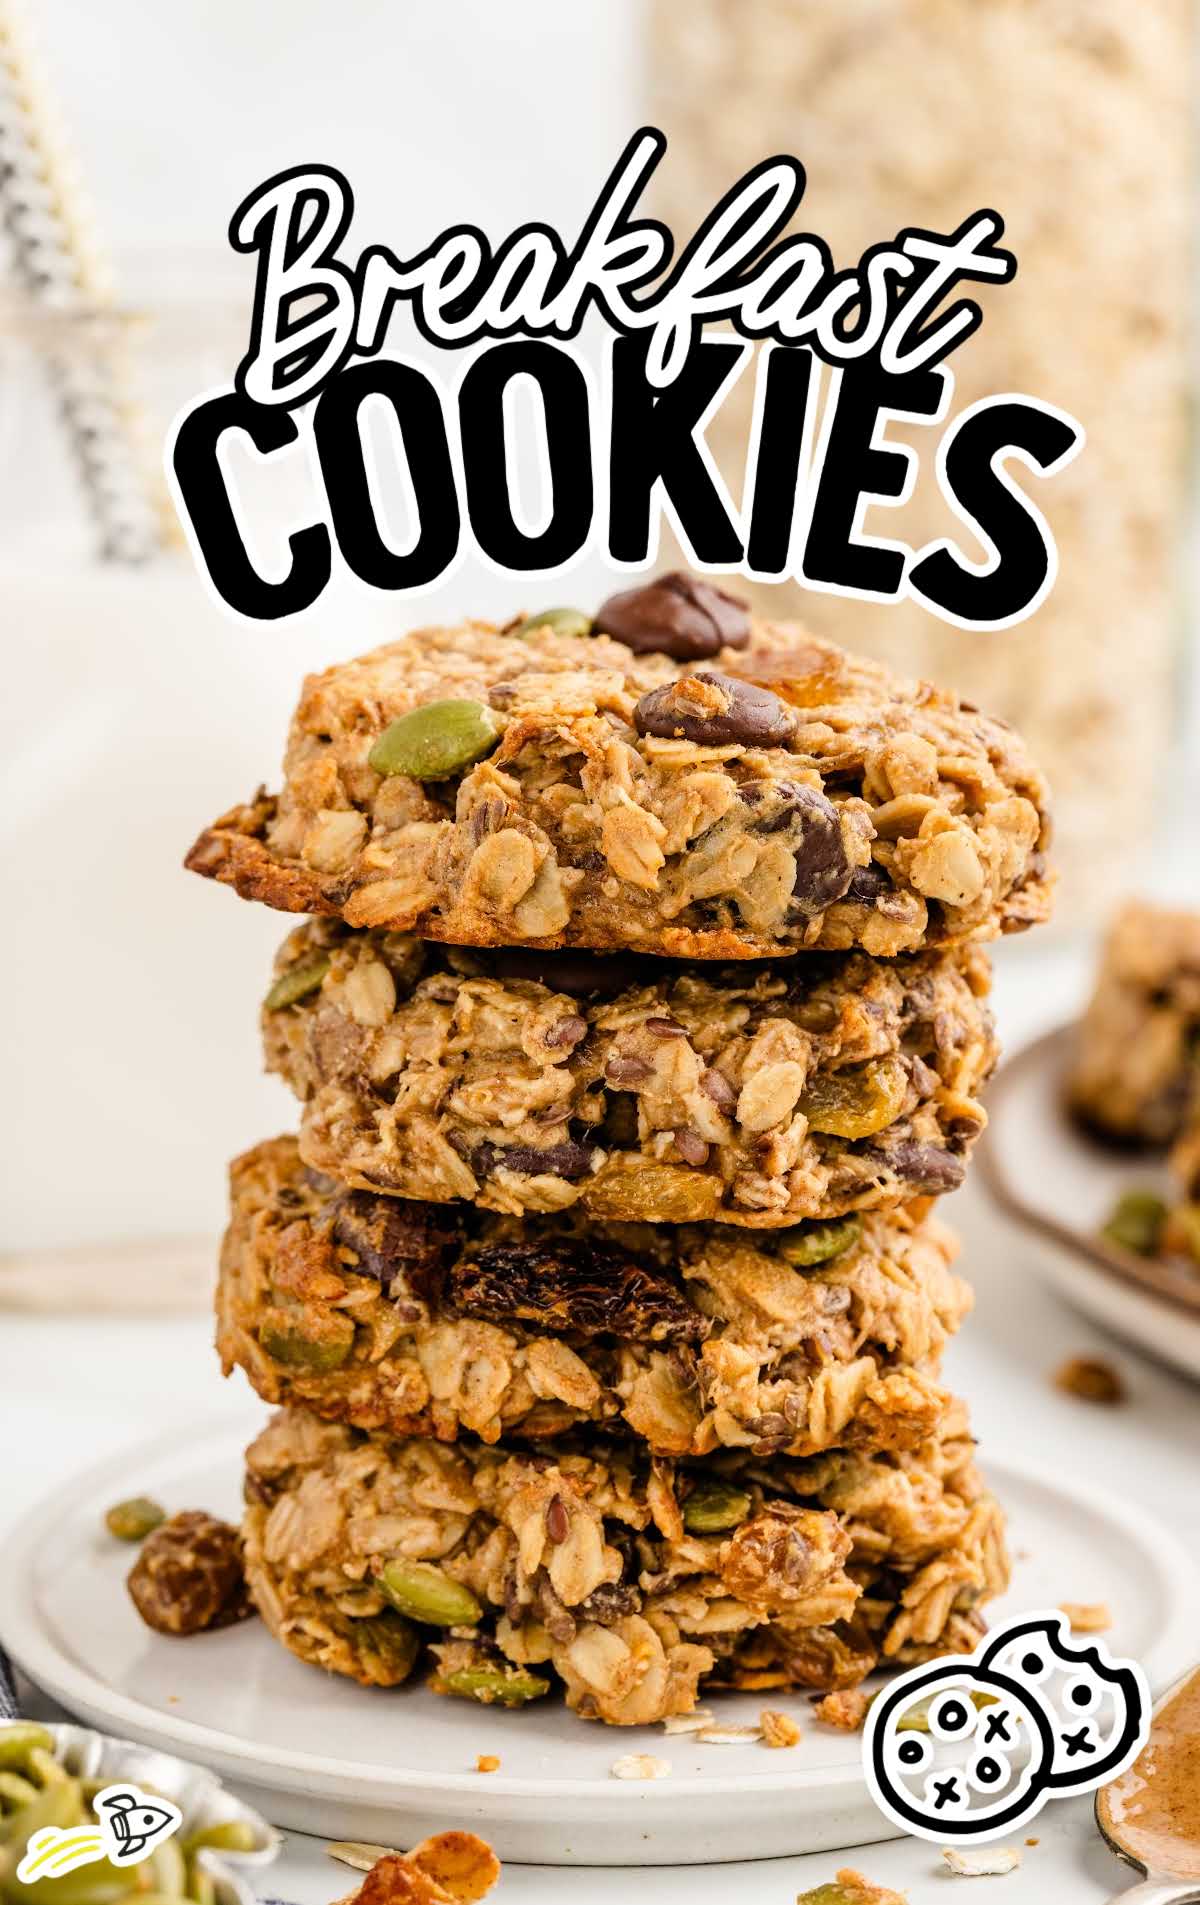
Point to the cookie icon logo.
(967, 1747)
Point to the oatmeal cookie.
(1136, 1075)
(687, 783)
(634, 1088)
(629, 1581)
(426, 1319)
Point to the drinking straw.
(65, 307)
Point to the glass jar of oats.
(1073, 118)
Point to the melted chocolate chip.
(924, 1167)
(567, 1160)
(823, 873)
(580, 975)
(675, 615)
(719, 713)
(394, 1237)
(867, 883)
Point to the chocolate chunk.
(823, 873)
(715, 711)
(572, 1284)
(567, 1160)
(580, 975)
(924, 1167)
(867, 883)
(609, 1603)
(675, 615)
(395, 1238)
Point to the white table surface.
(71, 1390)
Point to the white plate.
(1060, 1185)
(324, 1756)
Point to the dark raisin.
(572, 1284)
(675, 615)
(189, 1575)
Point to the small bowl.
(1059, 1186)
(199, 1795)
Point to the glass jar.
(1073, 119)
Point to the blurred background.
(135, 712)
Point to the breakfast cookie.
(636, 1088)
(1136, 1075)
(438, 1320)
(627, 1583)
(670, 776)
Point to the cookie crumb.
(1033, 1842)
(846, 1711)
(989, 1862)
(1087, 1617)
(778, 1729)
(693, 1722)
(854, 1890)
(1091, 1379)
(639, 1766)
(487, 1763)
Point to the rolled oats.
(427, 1320)
(607, 775)
(533, 1088)
(843, 1559)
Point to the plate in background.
(1060, 1186)
(322, 1755)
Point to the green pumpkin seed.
(18, 1739)
(425, 1594)
(285, 1342)
(1136, 1223)
(494, 1686)
(558, 621)
(713, 1506)
(817, 1243)
(296, 982)
(391, 1638)
(436, 741)
(135, 1519)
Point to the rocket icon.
(134, 1823)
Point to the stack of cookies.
(638, 1024)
